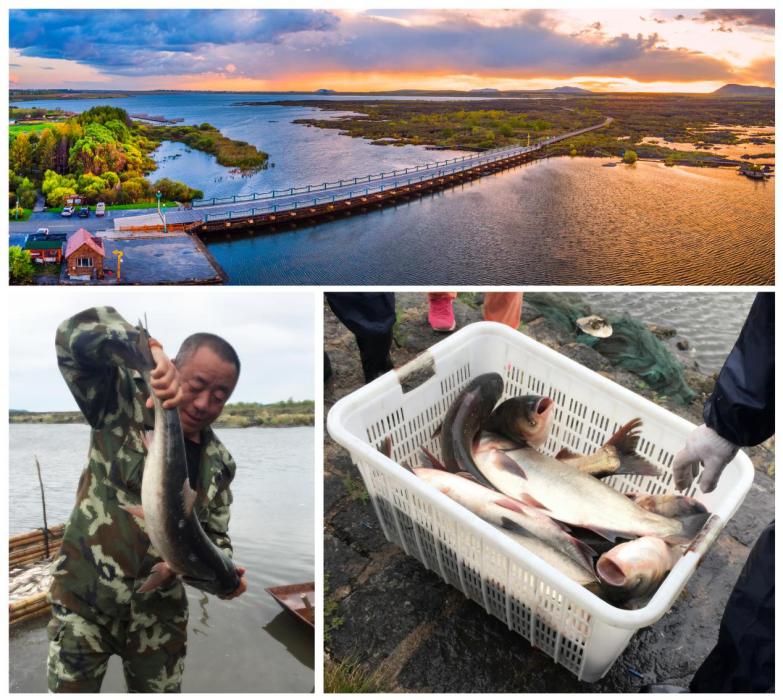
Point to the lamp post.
(161, 215)
(16, 211)
(119, 255)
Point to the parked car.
(67, 211)
(100, 209)
(42, 232)
(84, 212)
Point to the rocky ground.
(401, 625)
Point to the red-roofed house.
(84, 255)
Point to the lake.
(245, 645)
(557, 221)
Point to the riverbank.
(437, 640)
(242, 415)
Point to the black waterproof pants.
(743, 660)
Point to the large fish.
(464, 421)
(167, 503)
(525, 420)
(573, 497)
(635, 569)
(510, 514)
(556, 558)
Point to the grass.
(23, 216)
(16, 129)
(332, 620)
(355, 489)
(348, 677)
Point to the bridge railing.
(401, 180)
(426, 172)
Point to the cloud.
(740, 18)
(139, 42)
(285, 45)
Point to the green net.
(631, 346)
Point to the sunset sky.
(372, 50)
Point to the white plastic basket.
(576, 628)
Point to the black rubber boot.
(374, 353)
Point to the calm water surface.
(248, 644)
(559, 221)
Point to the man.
(106, 555)
(740, 412)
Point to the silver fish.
(508, 513)
(574, 497)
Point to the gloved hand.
(704, 446)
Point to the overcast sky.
(271, 332)
(691, 50)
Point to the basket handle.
(416, 372)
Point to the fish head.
(527, 419)
(634, 569)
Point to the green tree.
(21, 268)
(630, 157)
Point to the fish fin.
(437, 432)
(507, 464)
(527, 499)
(468, 475)
(189, 496)
(565, 453)
(155, 579)
(137, 511)
(611, 535)
(587, 552)
(636, 464)
(508, 524)
(386, 446)
(691, 526)
(435, 463)
(511, 504)
(146, 438)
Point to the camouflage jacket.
(106, 554)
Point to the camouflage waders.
(106, 554)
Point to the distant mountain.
(734, 90)
(569, 90)
(324, 91)
(485, 91)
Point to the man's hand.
(241, 588)
(164, 379)
(704, 446)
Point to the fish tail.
(691, 526)
(625, 441)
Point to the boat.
(298, 599)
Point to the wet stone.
(357, 525)
(342, 562)
(385, 610)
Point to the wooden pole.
(43, 505)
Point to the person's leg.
(441, 311)
(743, 660)
(79, 651)
(154, 657)
(503, 307)
(370, 316)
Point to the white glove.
(704, 446)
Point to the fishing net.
(631, 346)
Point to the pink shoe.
(441, 315)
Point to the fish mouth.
(610, 573)
(544, 405)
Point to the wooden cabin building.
(84, 255)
